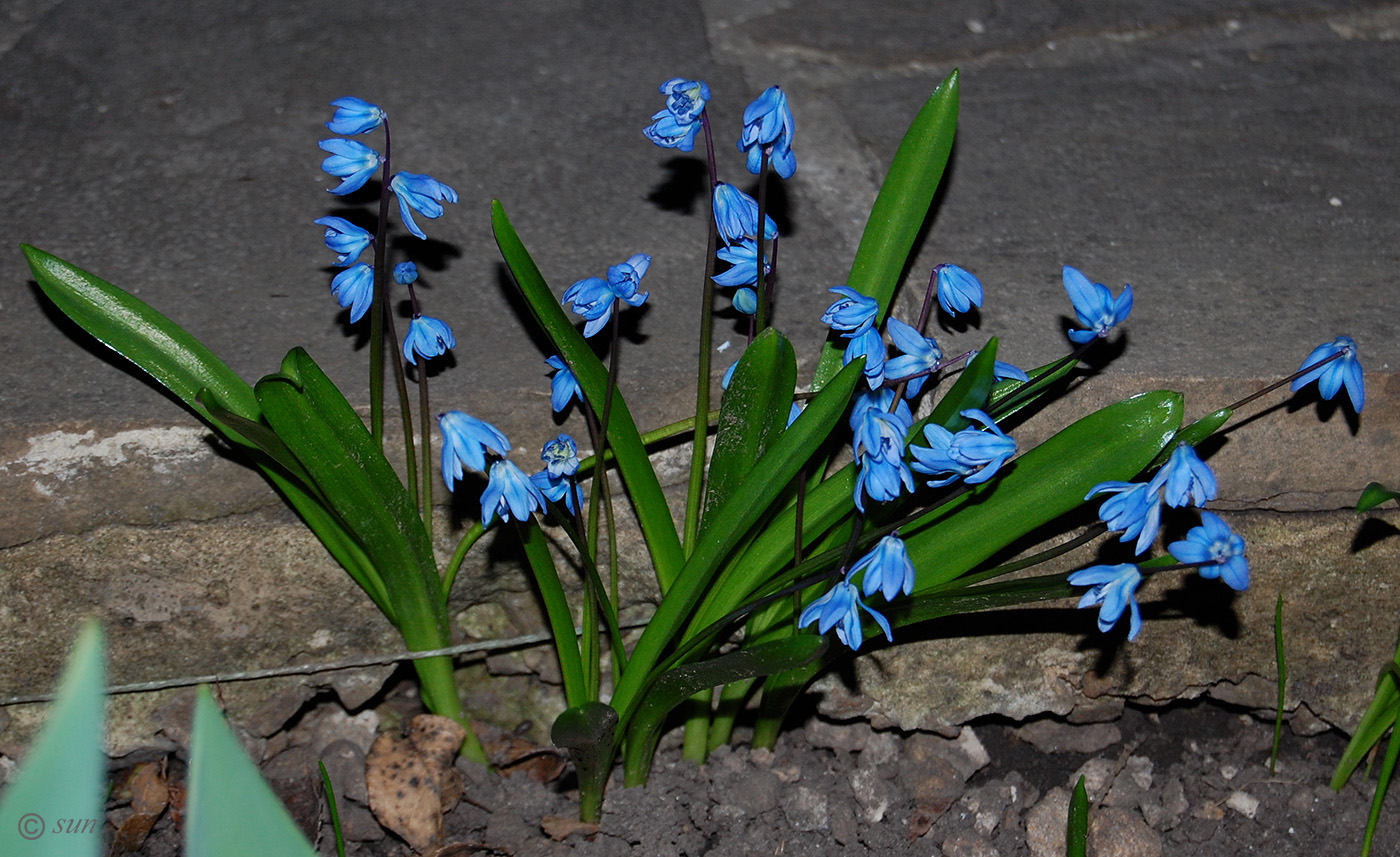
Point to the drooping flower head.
(972, 455)
(743, 260)
(676, 126)
(921, 354)
(427, 337)
(1135, 508)
(1186, 480)
(593, 297)
(736, 215)
(1095, 305)
(853, 314)
(840, 609)
(345, 238)
(465, 441)
(768, 123)
(887, 569)
(354, 288)
(350, 161)
(509, 492)
(1217, 550)
(405, 273)
(560, 456)
(958, 289)
(870, 345)
(354, 116)
(420, 193)
(1114, 587)
(1345, 371)
(563, 386)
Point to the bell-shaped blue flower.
(743, 259)
(1217, 550)
(768, 125)
(1114, 588)
(420, 193)
(559, 489)
(746, 301)
(882, 473)
(887, 568)
(1345, 371)
(593, 297)
(354, 288)
(670, 133)
(676, 126)
(853, 314)
(354, 116)
(736, 216)
(563, 386)
(405, 273)
(509, 492)
(465, 441)
(345, 238)
(871, 346)
(958, 289)
(921, 356)
(971, 454)
(560, 456)
(1095, 305)
(350, 161)
(1186, 480)
(840, 609)
(1135, 508)
(427, 337)
(626, 277)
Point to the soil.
(1187, 780)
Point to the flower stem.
(379, 305)
(761, 283)
(426, 427)
(696, 489)
(1279, 383)
(405, 409)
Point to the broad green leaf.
(588, 732)
(900, 208)
(230, 810)
(139, 333)
(674, 686)
(54, 807)
(1114, 443)
(653, 514)
(1373, 495)
(745, 507)
(754, 412)
(556, 608)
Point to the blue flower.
(971, 454)
(465, 440)
(1115, 588)
(563, 386)
(351, 161)
(1186, 479)
(853, 314)
(746, 301)
(871, 346)
(423, 194)
(559, 489)
(1095, 305)
(354, 288)
(879, 402)
(958, 289)
(1345, 371)
(345, 238)
(882, 473)
(1136, 510)
(840, 609)
(405, 273)
(921, 355)
(1000, 371)
(428, 337)
(887, 568)
(593, 297)
(560, 456)
(743, 259)
(354, 116)
(509, 492)
(676, 126)
(768, 125)
(736, 215)
(1216, 550)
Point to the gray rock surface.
(1234, 163)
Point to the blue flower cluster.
(886, 569)
(593, 297)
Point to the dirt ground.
(1188, 780)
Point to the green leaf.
(1193, 434)
(1373, 495)
(1113, 443)
(54, 807)
(754, 412)
(556, 607)
(1077, 824)
(653, 514)
(900, 208)
(676, 685)
(1380, 717)
(588, 732)
(230, 810)
(134, 330)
